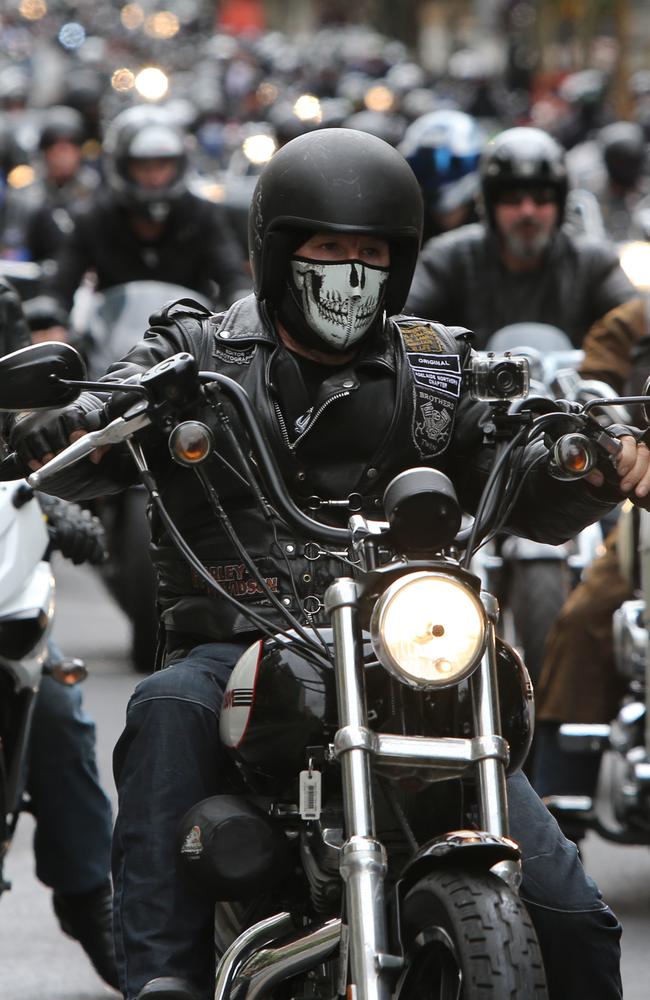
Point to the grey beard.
(527, 249)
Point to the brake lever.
(118, 431)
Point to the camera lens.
(503, 380)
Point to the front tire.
(467, 936)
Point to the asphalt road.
(37, 962)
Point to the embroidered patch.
(437, 371)
(192, 845)
(233, 356)
(437, 379)
(235, 580)
(421, 337)
(434, 423)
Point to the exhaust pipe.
(249, 969)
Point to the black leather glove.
(74, 531)
(35, 432)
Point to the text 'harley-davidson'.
(365, 848)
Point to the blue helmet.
(443, 149)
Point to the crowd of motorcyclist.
(120, 190)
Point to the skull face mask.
(339, 301)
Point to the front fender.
(474, 850)
(471, 849)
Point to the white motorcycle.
(27, 600)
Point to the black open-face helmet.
(522, 157)
(624, 149)
(334, 180)
(61, 124)
(139, 133)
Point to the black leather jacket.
(460, 278)
(369, 421)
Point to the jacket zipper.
(321, 408)
(283, 426)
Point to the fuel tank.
(277, 703)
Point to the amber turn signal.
(191, 442)
(574, 455)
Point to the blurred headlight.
(429, 630)
(152, 83)
(634, 258)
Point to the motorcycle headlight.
(429, 630)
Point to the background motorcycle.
(533, 579)
(27, 601)
(621, 810)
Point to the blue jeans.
(169, 757)
(72, 841)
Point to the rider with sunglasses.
(519, 264)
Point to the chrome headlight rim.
(387, 659)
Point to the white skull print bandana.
(339, 300)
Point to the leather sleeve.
(547, 510)
(116, 471)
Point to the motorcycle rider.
(72, 839)
(443, 149)
(518, 264)
(614, 168)
(336, 215)
(64, 181)
(148, 226)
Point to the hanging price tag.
(310, 794)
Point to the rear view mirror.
(34, 378)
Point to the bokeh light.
(266, 94)
(72, 35)
(163, 24)
(123, 79)
(21, 176)
(307, 108)
(259, 148)
(32, 10)
(379, 98)
(151, 83)
(132, 16)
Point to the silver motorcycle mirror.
(37, 377)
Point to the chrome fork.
(363, 858)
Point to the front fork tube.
(363, 859)
(493, 803)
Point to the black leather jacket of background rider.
(460, 278)
(197, 249)
(378, 386)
